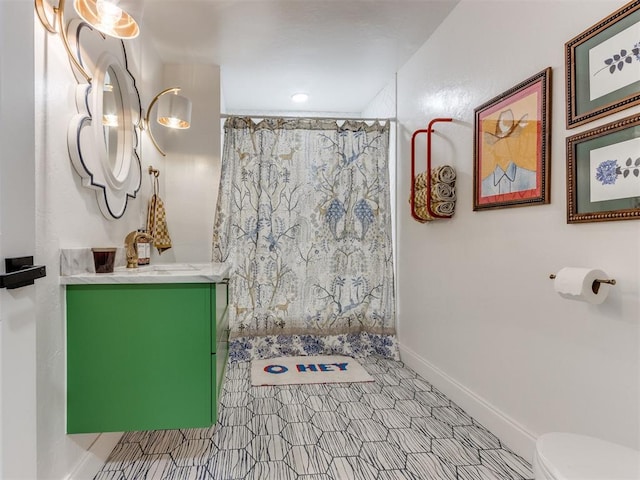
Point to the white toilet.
(567, 456)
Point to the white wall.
(68, 217)
(478, 315)
(193, 164)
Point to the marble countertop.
(161, 273)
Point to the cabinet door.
(138, 357)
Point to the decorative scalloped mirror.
(102, 137)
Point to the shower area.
(304, 219)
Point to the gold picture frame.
(601, 67)
(512, 146)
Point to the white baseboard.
(510, 432)
(93, 459)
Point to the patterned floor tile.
(475, 436)
(234, 399)
(367, 387)
(387, 380)
(355, 410)
(374, 368)
(322, 403)
(352, 468)
(197, 433)
(267, 448)
(230, 464)
(412, 408)
(263, 392)
(345, 394)
(192, 453)
(291, 397)
(383, 455)
(265, 406)
(232, 438)
(452, 415)
(150, 467)
(378, 400)
(410, 441)
(399, 392)
(506, 462)
(396, 428)
(416, 384)
(432, 427)
(301, 434)
(454, 452)
(308, 459)
(295, 413)
(314, 389)
(477, 472)
(232, 416)
(162, 441)
(432, 399)
(340, 444)
(189, 473)
(397, 475)
(392, 418)
(428, 465)
(264, 470)
(368, 430)
(266, 424)
(329, 421)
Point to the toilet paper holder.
(595, 286)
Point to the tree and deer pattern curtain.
(303, 217)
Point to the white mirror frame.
(85, 137)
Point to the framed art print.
(603, 173)
(603, 67)
(512, 135)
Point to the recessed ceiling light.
(299, 97)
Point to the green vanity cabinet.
(144, 356)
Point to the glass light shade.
(116, 18)
(174, 111)
(109, 110)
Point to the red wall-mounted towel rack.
(428, 131)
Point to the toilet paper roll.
(575, 283)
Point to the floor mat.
(307, 370)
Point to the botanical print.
(303, 218)
(615, 171)
(509, 155)
(615, 63)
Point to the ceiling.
(340, 52)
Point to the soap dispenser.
(143, 246)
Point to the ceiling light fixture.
(116, 18)
(299, 97)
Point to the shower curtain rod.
(289, 117)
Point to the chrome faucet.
(131, 247)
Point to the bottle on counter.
(143, 245)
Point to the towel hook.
(154, 172)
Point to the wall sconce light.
(174, 111)
(109, 108)
(115, 18)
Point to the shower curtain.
(303, 218)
